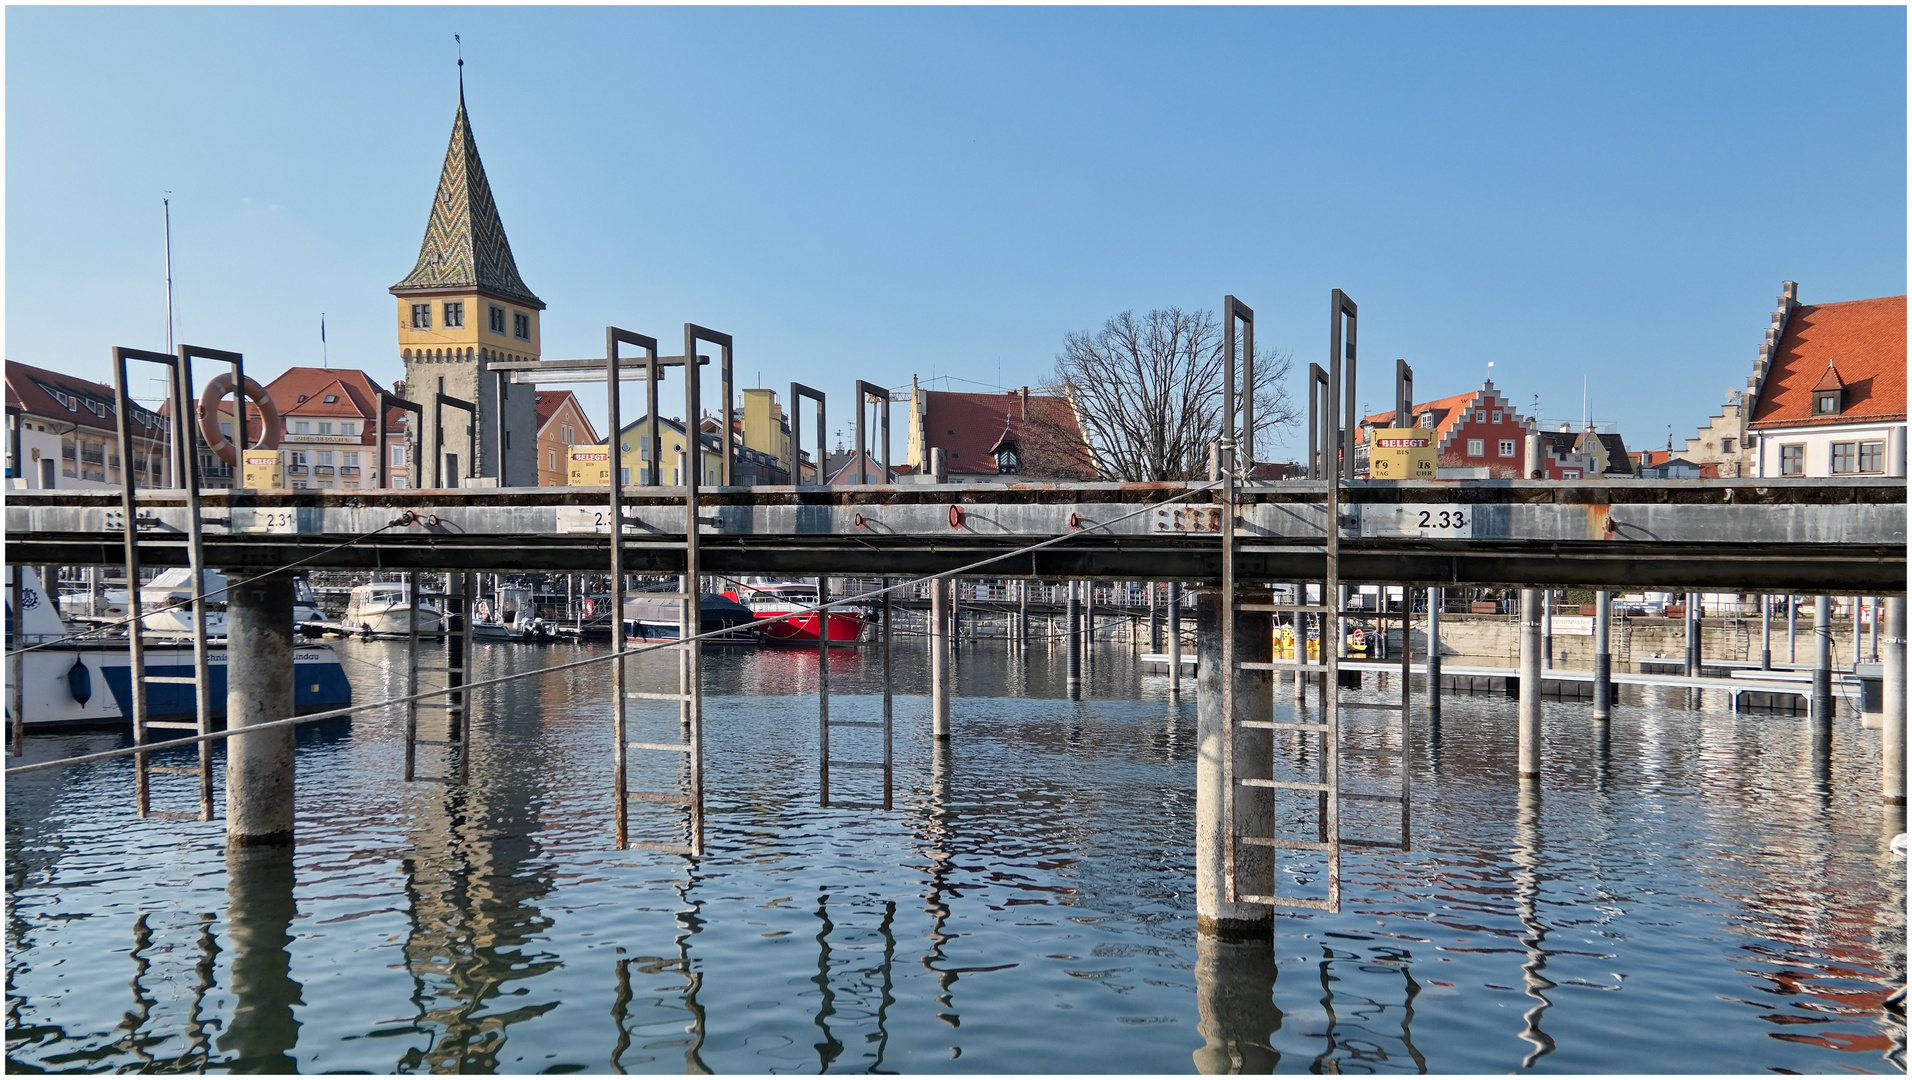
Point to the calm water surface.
(1694, 893)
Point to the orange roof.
(1865, 338)
(1448, 412)
(551, 401)
(967, 425)
(301, 391)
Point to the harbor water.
(1692, 892)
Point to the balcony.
(348, 470)
(322, 470)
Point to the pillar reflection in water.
(1534, 932)
(259, 910)
(1234, 995)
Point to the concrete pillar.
(1072, 639)
(1765, 633)
(1546, 627)
(1692, 634)
(939, 657)
(1602, 655)
(259, 684)
(1022, 613)
(1155, 618)
(1792, 629)
(1436, 598)
(1534, 470)
(1529, 683)
(264, 1027)
(1253, 759)
(1175, 637)
(1821, 712)
(1235, 1006)
(1892, 737)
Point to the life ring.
(590, 608)
(216, 391)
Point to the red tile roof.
(30, 389)
(1865, 338)
(1448, 413)
(356, 393)
(550, 401)
(966, 425)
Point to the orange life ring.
(216, 391)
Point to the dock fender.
(79, 681)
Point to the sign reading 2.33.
(1440, 521)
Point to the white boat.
(85, 679)
(511, 616)
(166, 604)
(384, 609)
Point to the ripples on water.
(1693, 894)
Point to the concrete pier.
(1175, 637)
(1892, 735)
(1072, 639)
(259, 689)
(1436, 599)
(1765, 633)
(1546, 627)
(939, 590)
(1822, 705)
(1530, 678)
(1253, 759)
(1692, 634)
(1602, 655)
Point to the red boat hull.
(844, 627)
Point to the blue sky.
(1607, 194)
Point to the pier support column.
(1765, 633)
(259, 688)
(1692, 635)
(1820, 716)
(1529, 683)
(1253, 759)
(1436, 598)
(1892, 737)
(1602, 655)
(1072, 639)
(939, 657)
(1175, 637)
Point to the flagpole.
(325, 355)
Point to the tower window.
(521, 326)
(454, 314)
(497, 319)
(421, 316)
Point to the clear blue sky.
(1612, 194)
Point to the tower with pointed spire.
(462, 308)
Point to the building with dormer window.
(1829, 389)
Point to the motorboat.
(166, 604)
(384, 609)
(512, 616)
(778, 606)
(657, 618)
(70, 679)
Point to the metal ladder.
(825, 723)
(456, 614)
(1324, 732)
(186, 470)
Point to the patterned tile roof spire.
(465, 245)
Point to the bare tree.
(1147, 392)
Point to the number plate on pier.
(579, 519)
(1437, 522)
(247, 519)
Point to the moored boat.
(384, 609)
(778, 605)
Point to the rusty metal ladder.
(1327, 462)
(456, 630)
(825, 723)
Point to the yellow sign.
(1401, 454)
(590, 466)
(263, 469)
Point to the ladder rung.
(1256, 665)
(436, 779)
(1285, 901)
(189, 770)
(172, 680)
(1368, 705)
(655, 596)
(855, 765)
(1281, 607)
(659, 796)
(436, 705)
(669, 748)
(1295, 725)
(652, 695)
(649, 845)
(1366, 752)
(1278, 842)
(176, 815)
(855, 723)
(834, 805)
(436, 742)
(1285, 785)
(443, 670)
(177, 725)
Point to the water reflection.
(262, 1031)
(1534, 938)
(1234, 997)
(688, 923)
